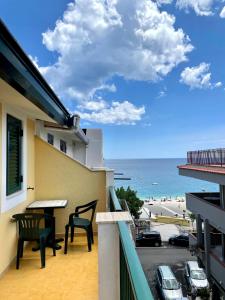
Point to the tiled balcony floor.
(71, 276)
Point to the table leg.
(50, 211)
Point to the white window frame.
(11, 201)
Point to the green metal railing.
(113, 200)
(133, 283)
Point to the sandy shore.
(166, 208)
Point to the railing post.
(109, 253)
(109, 182)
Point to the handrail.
(133, 283)
(207, 157)
(138, 280)
(114, 200)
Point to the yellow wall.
(8, 238)
(0, 151)
(54, 176)
(57, 176)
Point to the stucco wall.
(8, 240)
(57, 176)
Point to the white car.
(196, 278)
(168, 285)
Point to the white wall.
(90, 155)
(42, 132)
(95, 148)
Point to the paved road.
(175, 257)
(165, 209)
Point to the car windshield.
(170, 284)
(198, 274)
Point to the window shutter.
(14, 155)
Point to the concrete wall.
(72, 148)
(90, 155)
(214, 214)
(57, 176)
(94, 148)
(8, 240)
(172, 220)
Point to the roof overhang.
(74, 132)
(20, 73)
(207, 173)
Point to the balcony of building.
(215, 257)
(208, 206)
(104, 273)
(71, 276)
(206, 165)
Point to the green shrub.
(133, 202)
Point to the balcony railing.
(133, 283)
(214, 157)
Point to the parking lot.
(152, 257)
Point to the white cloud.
(218, 84)
(96, 40)
(161, 2)
(93, 105)
(222, 13)
(162, 93)
(201, 7)
(198, 77)
(118, 113)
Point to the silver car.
(196, 278)
(168, 285)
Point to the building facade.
(32, 165)
(208, 242)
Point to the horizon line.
(146, 158)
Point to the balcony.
(78, 275)
(207, 205)
(216, 262)
(210, 157)
(205, 165)
(71, 276)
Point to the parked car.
(196, 278)
(167, 283)
(179, 240)
(150, 238)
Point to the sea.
(157, 178)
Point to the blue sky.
(151, 74)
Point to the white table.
(48, 204)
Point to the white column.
(109, 254)
(109, 182)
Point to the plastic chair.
(30, 228)
(86, 224)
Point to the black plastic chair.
(30, 228)
(86, 224)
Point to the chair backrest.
(86, 207)
(29, 225)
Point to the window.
(63, 146)
(14, 176)
(50, 139)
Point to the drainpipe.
(207, 247)
(75, 124)
(222, 204)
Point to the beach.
(171, 208)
